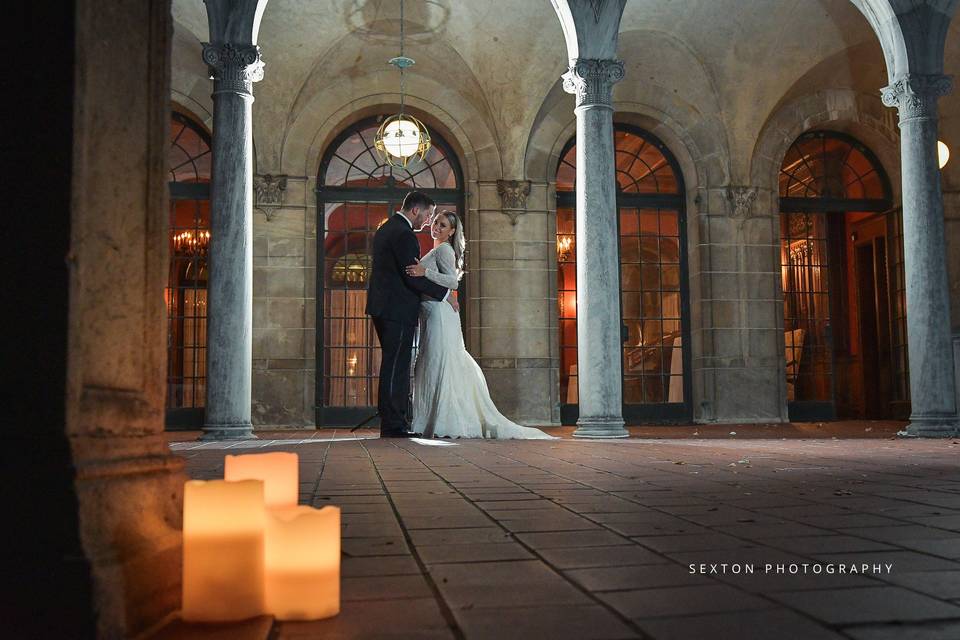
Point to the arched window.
(186, 293)
(842, 277)
(356, 193)
(653, 281)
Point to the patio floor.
(712, 535)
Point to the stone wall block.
(519, 313)
(278, 343)
(278, 397)
(494, 250)
(508, 283)
(281, 282)
(747, 395)
(514, 342)
(761, 258)
(285, 313)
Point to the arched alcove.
(356, 192)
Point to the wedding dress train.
(450, 397)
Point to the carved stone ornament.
(513, 197)
(233, 68)
(592, 80)
(741, 201)
(915, 96)
(269, 190)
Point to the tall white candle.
(223, 550)
(303, 563)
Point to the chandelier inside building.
(189, 243)
(401, 136)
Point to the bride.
(450, 396)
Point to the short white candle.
(303, 563)
(277, 469)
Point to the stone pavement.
(639, 538)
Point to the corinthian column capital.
(592, 80)
(234, 68)
(915, 96)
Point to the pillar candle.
(303, 563)
(223, 550)
(278, 470)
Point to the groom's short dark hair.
(417, 199)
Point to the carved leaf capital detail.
(916, 96)
(592, 80)
(268, 191)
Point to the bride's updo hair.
(457, 240)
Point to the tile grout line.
(442, 604)
(628, 621)
(879, 582)
(775, 603)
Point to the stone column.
(599, 344)
(230, 284)
(932, 388)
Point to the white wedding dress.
(450, 396)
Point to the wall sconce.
(564, 248)
(943, 153)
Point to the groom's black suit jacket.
(392, 294)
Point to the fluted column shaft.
(599, 343)
(230, 281)
(932, 388)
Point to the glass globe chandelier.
(401, 136)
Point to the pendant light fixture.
(401, 136)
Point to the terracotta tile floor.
(595, 539)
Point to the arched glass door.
(653, 280)
(356, 193)
(186, 292)
(842, 277)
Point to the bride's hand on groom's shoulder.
(416, 270)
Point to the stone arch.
(862, 116)
(699, 147)
(909, 44)
(190, 84)
(474, 143)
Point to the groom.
(393, 301)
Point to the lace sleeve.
(446, 276)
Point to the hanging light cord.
(402, 77)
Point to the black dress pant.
(396, 344)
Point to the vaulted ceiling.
(503, 58)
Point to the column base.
(215, 432)
(600, 428)
(942, 426)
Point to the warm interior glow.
(277, 469)
(191, 244)
(401, 138)
(303, 563)
(223, 549)
(943, 153)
